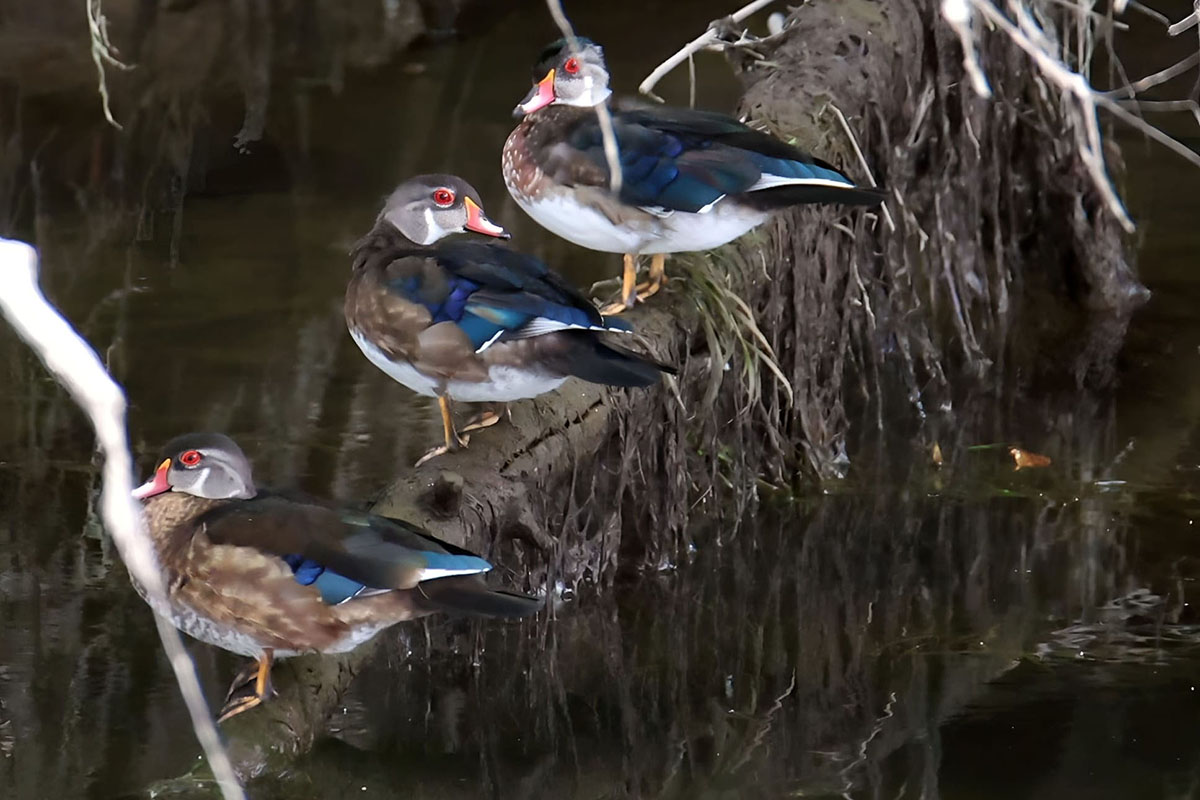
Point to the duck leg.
(250, 688)
(658, 277)
(628, 288)
(486, 418)
(453, 440)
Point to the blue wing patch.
(799, 170)
(334, 588)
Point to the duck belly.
(580, 224)
(227, 638)
(206, 630)
(504, 384)
(685, 231)
(672, 232)
(400, 371)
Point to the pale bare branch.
(103, 53)
(705, 41)
(1141, 8)
(1191, 106)
(607, 133)
(1073, 85)
(1187, 23)
(1150, 81)
(77, 367)
(1154, 133)
(862, 161)
(958, 15)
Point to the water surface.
(962, 632)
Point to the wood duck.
(468, 320)
(691, 180)
(269, 576)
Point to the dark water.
(968, 632)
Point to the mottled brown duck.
(267, 575)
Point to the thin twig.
(705, 41)
(609, 136)
(691, 80)
(862, 161)
(1162, 105)
(1027, 35)
(1134, 5)
(1187, 23)
(1097, 17)
(76, 366)
(1145, 127)
(1150, 81)
(958, 15)
(1023, 34)
(102, 53)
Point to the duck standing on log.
(268, 576)
(473, 321)
(690, 179)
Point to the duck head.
(429, 207)
(566, 77)
(209, 465)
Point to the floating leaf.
(936, 455)
(1024, 459)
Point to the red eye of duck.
(443, 197)
(571, 66)
(190, 458)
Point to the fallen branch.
(77, 367)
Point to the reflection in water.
(848, 647)
(962, 632)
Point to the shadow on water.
(962, 631)
(970, 632)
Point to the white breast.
(582, 225)
(400, 371)
(684, 231)
(504, 385)
(675, 232)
